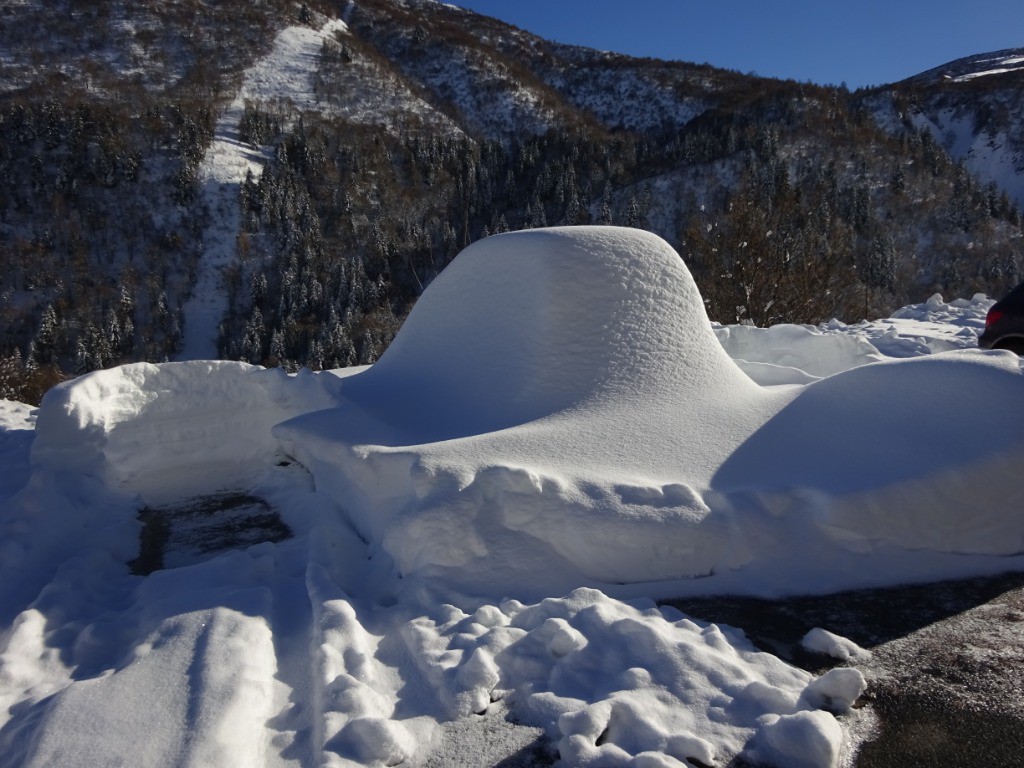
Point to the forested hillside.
(436, 127)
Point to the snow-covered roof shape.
(524, 325)
(558, 410)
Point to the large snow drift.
(557, 409)
(556, 414)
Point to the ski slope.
(285, 76)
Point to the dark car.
(1004, 326)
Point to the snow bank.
(800, 354)
(557, 411)
(804, 349)
(131, 425)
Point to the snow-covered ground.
(474, 527)
(992, 157)
(994, 66)
(284, 76)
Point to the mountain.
(277, 182)
(974, 107)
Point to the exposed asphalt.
(946, 673)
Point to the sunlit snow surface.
(285, 76)
(557, 435)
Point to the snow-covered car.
(1004, 325)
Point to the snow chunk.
(802, 740)
(822, 641)
(374, 741)
(836, 690)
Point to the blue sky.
(861, 42)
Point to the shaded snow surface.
(555, 437)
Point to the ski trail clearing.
(286, 74)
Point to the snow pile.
(619, 684)
(132, 425)
(556, 415)
(799, 354)
(924, 329)
(557, 397)
(794, 354)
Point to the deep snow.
(556, 436)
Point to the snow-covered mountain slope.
(974, 108)
(972, 67)
(503, 81)
(284, 77)
(451, 545)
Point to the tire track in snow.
(285, 74)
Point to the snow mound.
(556, 378)
(557, 410)
(136, 424)
(525, 325)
